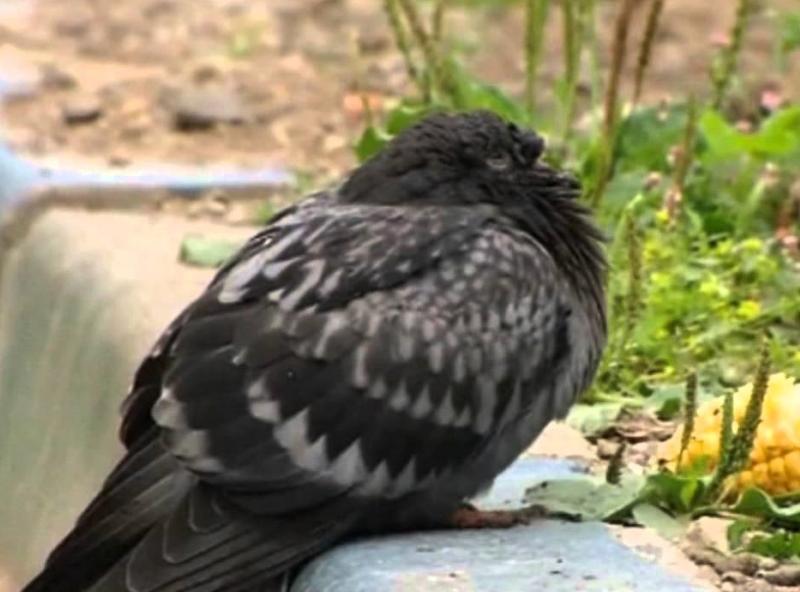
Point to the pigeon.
(366, 363)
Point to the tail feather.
(238, 552)
(155, 528)
(144, 487)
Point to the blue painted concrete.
(545, 555)
(19, 177)
(16, 177)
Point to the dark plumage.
(369, 360)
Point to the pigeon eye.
(499, 162)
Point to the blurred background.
(121, 82)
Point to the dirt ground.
(120, 82)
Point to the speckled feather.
(377, 354)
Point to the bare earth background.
(112, 81)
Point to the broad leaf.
(370, 143)
(202, 251)
(780, 545)
(677, 492)
(646, 135)
(755, 502)
(654, 517)
(592, 419)
(586, 497)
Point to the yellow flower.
(749, 309)
(774, 463)
(712, 286)
(752, 244)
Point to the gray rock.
(197, 107)
(81, 109)
(55, 78)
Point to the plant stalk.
(724, 70)
(685, 157)
(646, 48)
(401, 39)
(689, 411)
(611, 99)
(535, 19)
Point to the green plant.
(735, 448)
(203, 251)
(667, 501)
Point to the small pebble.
(199, 107)
(119, 160)
(81, 109)
(606, 448)
(55, 78)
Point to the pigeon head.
(459, 159)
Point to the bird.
(367, 362)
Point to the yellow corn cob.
(774, 463)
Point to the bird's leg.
(468, 516)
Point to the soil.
(278, 82)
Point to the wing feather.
(414, 362)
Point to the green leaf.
(406, 114)
(371, 142)
(586, 497)
(621, 190)
(721, 139)
(654, 517)
(646, 135)
(736, 531)
(780, 545)
(206, 252)
(755, 502)
(779, 135)
(666, 401)
(592, 419)
(679, 493)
